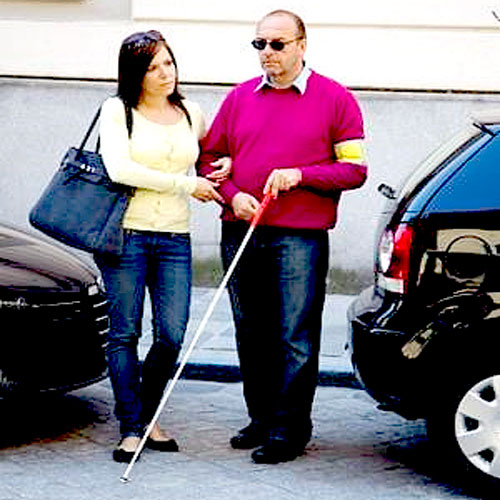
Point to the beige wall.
(65, 10)
(419, 44)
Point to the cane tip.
(125, 479)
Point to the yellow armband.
(351, 151)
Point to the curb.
(215, 372)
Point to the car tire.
(464, 432)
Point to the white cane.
(199, 331)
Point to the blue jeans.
(277, 294)
(160, 262)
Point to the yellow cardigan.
(157, 160)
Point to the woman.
(149, 140)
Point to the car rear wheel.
(477, 425)
(465, 428)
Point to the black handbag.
(81, 206)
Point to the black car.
(53, 317)
(424, 340)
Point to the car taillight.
(394, 258)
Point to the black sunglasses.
(278, 45)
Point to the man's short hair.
(301, 27)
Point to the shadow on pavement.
(423, 458)
(38, 418)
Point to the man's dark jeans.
(277, 294)
(160, 262)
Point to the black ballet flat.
(123, 456)
(169, 445)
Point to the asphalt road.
(60, 448)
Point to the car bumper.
(375, 348)
(55, 341)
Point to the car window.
(474, 188)
(444, 153)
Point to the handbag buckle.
(87, 168)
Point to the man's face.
(284, 65)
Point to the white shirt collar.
(300, 83)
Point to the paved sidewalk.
(59, 447)
(214, 356)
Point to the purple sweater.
(280, 128)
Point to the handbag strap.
(128, 120)
(89, 131)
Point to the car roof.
(486, 116)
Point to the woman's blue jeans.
(277, 294)
(161, 263)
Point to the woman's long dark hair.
(136, 54)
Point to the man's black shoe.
(276, 451)
(249, 437)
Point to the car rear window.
(449, 150)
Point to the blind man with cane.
(297, 136)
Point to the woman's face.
(161, 75)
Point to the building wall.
(418, 68)
(383, 44)
(65, 10)
(45, 118)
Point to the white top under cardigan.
(156, 160)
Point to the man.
(297, 135)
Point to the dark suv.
(425, 338)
